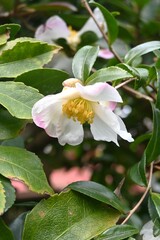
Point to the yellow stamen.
(73, 38)
(79, 109)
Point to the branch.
(86, 5)
(143, 196)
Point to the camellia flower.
(62, 115)
(56, 28)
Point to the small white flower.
(55, 28)
(62, 115)
(147, 232)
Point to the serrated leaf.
(141, 50)
(137, 172)
(18, 98)
(118, 232)
(10, 127)
(2, 198)
(70, 215)
(110, 21)
(83, 62)
(24, 54)
(9, 192)
(10, 28)
(98, 192)
(17, 163)
(5, 232)
(108, 74)
(47, 81)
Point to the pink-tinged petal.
(105, 53)
(46, 113)
(123, 131)
(91, 26)
(69, 131)
(43, 35)
(99, 92)
(58, 27)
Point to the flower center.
(73, 38)
(79, 109)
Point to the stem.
(124, 83)
(143, 196)
(86, 5)
(138, 94)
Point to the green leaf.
(108, 74)
(10, 28)
(118, 232)
(6, 234)
(17, 226)
(153, 149)
(83, 62)
(25, 166)
(154, 216)
(98, 192)
(47, 81)
(110, 21)
(141, 50)
(137, 172)
(3, 38)
(10, 127)
(9, 192)
(2, 198)
(18, 98)
(70, 215)
(24, 54)
(7, 5)
(156, 200)
(53, 6)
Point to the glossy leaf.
(108, 74)
(10, 127)
(118, 232)
(17, 163)
(24, 54)
(154, 216)
(141, 50)
(98, 192)
(47, 81)
(18, 98)
(9, 192)
(83, 62)
(110, 21)
(5, 232)
(137, 173)
(156, 200)
(2, 198)
(10, 28)
(17, 226)
(70, 215)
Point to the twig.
(86, 5)
(143, 196)
(138, 94)
(124, 83)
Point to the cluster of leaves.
(84, 210)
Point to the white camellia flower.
(147, 232)
(55, 28)
(62, 115)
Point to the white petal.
(58, 27)
(91, 26)
(123, 131)
(147, 232)
(101, 131)
(99, 92)
(46, 112)
(69, 131)
(106, 120)
(105, 53)
(43, 35)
